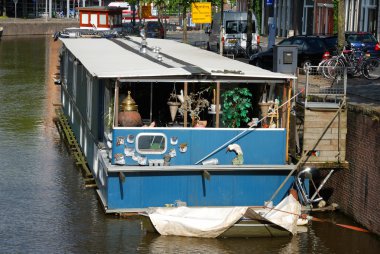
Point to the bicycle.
(371, 68)
(353, 60)
(247, 52)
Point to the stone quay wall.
(356, 190)
(20, 27)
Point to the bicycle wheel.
(334, 68)
(321, 69)
(371, 68)
(356, 72)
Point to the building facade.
(41, 8)
(316, 16)
(362, 15)
(291, 16)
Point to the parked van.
(234, 32)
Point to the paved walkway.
(364, 93)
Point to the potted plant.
(194, 104)
(236, 105)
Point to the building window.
(89, 100)
(151, 143)
(66, 68)
(103, 19)
(75, 79)
(84, 18)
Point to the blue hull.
(238, 188)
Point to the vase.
(264, 107)
(130, 119)
(173, 107)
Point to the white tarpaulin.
(196, 222)
(213, 221)
(285, 214)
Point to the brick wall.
(357, 189)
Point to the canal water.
(45, 207)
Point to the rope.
(245, 131)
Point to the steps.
(68, 136)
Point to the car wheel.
(306, 66)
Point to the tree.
(133, 8)
(3, 9)
(341, 20)
(161, 6)
(249, 27)
(185, 6)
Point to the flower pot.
(264, 107)
(173, 107)
(212, 108)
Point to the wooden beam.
(288, 120)
(217, 115)
(185, 91)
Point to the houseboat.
(101, 17)
(97, 21)
(165, 124)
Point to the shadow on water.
(44, 205)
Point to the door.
(94, 20)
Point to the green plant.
(236, 105)
(194, 104)
(108, 116)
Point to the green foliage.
(336, 2)
(236, 105)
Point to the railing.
(325, 92)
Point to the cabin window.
(66, 68)
(89, 100)
(151, 143)
(84, 18)
(75, 79)
(102, 19)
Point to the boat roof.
(177, 62)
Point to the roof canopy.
(177, 62)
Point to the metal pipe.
(305, 155)
(116, 105)
(321, 185)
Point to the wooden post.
(288, 120)
(184, 95)
(217, 103)
(116, 105)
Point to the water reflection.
(44, 205)
(154, 243)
